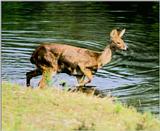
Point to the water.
(132, 76)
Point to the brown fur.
(56, 58)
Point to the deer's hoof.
(80, 85)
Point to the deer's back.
(65, 54)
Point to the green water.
(132, 76)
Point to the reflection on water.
(131, 76)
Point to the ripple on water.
(132, 76)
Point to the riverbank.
(50, 109)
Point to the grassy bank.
(25, 109)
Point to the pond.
(132, 76)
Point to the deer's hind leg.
(31, 74)
(46, 77)
(48, 70)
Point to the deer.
(53, 58)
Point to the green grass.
(49, 109)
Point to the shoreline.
(54, 109)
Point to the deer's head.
(116, 40)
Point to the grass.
(50, 109)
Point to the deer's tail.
(42, 57)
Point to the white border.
(82, 0)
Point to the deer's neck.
(105, 56)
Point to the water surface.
(132, 76)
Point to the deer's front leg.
(87, 73)
(80, 79)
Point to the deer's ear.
(113, 33)
(122, 33)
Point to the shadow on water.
(132, 76)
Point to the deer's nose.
(125, 48)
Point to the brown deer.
(56, 58)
